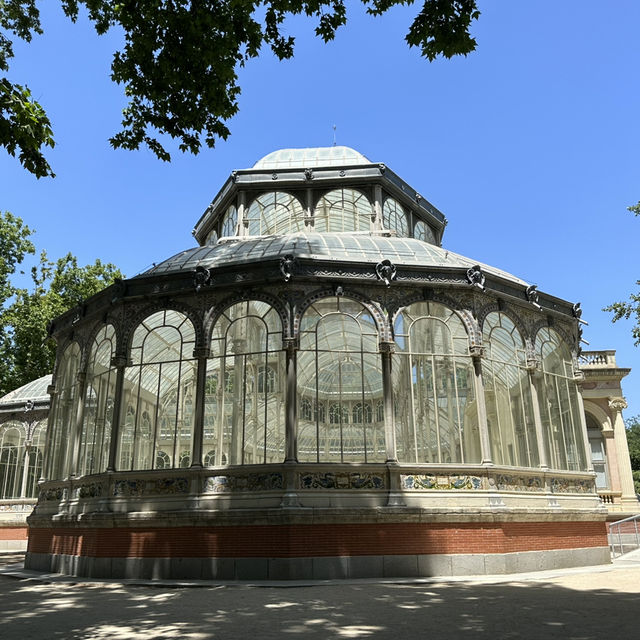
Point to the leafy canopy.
(625, 310)
(25, 313)
(180, 60)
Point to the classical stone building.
(318, 389)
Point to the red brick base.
(13, 533)
(321, 540)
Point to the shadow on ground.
(375, 611)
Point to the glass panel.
(98, 404)
(422, 231)
(510, 418)
(245, 388)
(158, 394)
(339, 381)
(343, 210)
(394, 218)
(559, 405)
(275, 213)
(436, 421)
(229, 223)
(12, 440)
(64, 412)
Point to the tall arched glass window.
(559, 407)
(598, 452)
(512, 429)
(64, 412)
(433, 380)
(342, 210)
(394, 218)
(35, 455)
(158, 387)
(275, 213)
(422, 231)
(339, 367)
(229, 225)
(98, 404)
(11, 459)
(244, 416)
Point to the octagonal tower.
(318, 389)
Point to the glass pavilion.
(318, 360)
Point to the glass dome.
(311, 157)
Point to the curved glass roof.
(311, 157)
(34, 390)
(334, 247)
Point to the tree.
(633, 439)
(25, 351)
(632, 307)
(180, 60)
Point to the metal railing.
(624, 536)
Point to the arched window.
(98, 404)
(163, 461)
(11, 459)
(339, 364)
(229, 225)
(34, 458)
(422, 231)
(598, 452)
(436, 413)
(266, 379)
(245, 416)
(512, 429)
(362, 412)
(275, 213)
(157, 388)
(64, 413)
(212, 238)
(342, 210)
(559, 406)
(394, 218)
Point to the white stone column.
(616, 405)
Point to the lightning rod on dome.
(334, 135)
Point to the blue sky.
(529, 145)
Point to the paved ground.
(602, 602)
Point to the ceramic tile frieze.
(572, 485)
(91, 490)
(508, 482)
(419, 482)
(331, 480)
(248, 482)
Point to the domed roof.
(334, 247)
(36, 390)
(311, 157)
